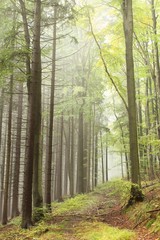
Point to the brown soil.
(118, 219)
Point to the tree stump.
(136, 195)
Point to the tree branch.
(104, 63)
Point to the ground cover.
(98, 215)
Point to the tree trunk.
(8, 160)
(50, 134)
(60, 163)
(102, 158)
(27, 41)
(85, 156)
(15, 210)
(1, 115)
(67, 132)
(80, 188)
(2, 166)
(128, 31)
(35, 89)
(93, 148)
(72, 164)
(96, 161)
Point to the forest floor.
(99, 215)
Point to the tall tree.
(128, 32)
(15, 209)
(50, 133)
(34, 114)
(8, 160)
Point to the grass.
(74, 205)
(101, 231)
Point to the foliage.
(38, 214)
(16, 221)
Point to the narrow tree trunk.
(93, 149)
(72, 163)
(60, 163)
(89, 157)
(27, 42)
(96, 160)
(50, 134)
(2, 172)
(67, 132)
(80, 188)
(140, 121)
(1, 115)
(15, 210)
(102, 158)
(85, 157)
(8, 160)
(2, 167)
(107, 178)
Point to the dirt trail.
(116, 217)
(110, 212)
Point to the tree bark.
(8, 160)
(132, 112)
(15, 209)
(80, 188)
(60, 163)
(50, 134)
(35, 89)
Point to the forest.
(79, 107)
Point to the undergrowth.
(101, 231)
(73, 205)
(117, 188)
(56, 226)
(143, 213)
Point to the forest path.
(109, 210)
(99, 215)
(112, 212)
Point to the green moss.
(117, 187)
(74, 205)
(101, 231)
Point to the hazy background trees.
(63, 99)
